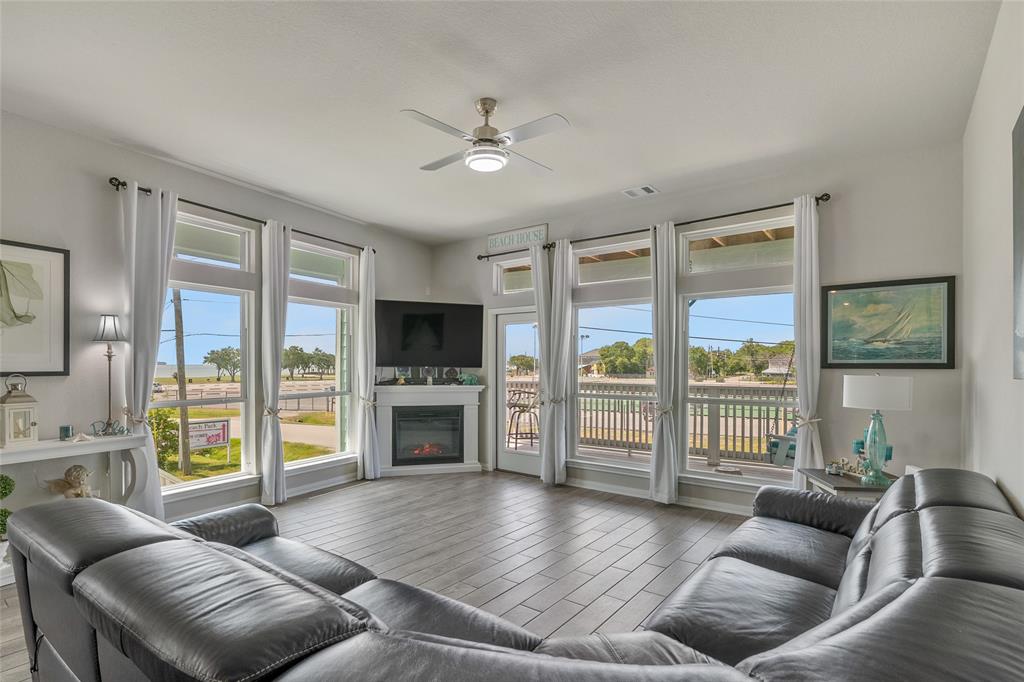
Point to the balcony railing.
(725, 421)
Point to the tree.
(293, 358)
(226, 360)
(700, 362)
(620, 358)
(321, 361)
(184, 452)
(523, 364)
(165, 435)
(753, 356)
(644, 349)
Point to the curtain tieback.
(129, 416)
(367, 403)
(555, 401)
(665, 410)
(801, 422)
(272, 412)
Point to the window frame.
(246, 256)
(608, 247)
(498, 269)
(685, 237)
(192, 276)
(315, 245)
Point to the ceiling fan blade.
(535, 167)
(528, 131)
(434, 123)
(441, 163)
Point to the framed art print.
(34, 309)
(898, 324)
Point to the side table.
(842, 485)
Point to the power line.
(734, 319)
(702, 338)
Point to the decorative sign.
(210, 433)
(522, 238)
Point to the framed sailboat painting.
(899, 324)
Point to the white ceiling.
(303, 98)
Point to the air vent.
(639, 192)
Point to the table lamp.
(874, 392)
(109, 332)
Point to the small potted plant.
(6, 488)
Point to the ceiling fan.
(490, 152)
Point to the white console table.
(126, 459)
(468, 397)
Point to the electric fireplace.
(426, 434)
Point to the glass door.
(518, 395)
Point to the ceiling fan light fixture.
(486, 158)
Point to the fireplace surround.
(416, 428)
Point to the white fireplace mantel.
(467, 396)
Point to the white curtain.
(147, 225)
(554, 326)
(276, 249)
(806, 316)
(366, 364)
(664, 453)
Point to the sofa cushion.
(792, 548)
(186, 610)
(637, 648)
(400, 656)
(937, 629)
(62, 538)
(330, 571)
(824, 511)
(236, 526)
(974, 544)
(730, 609)
(405, 607)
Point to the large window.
(315, 382)
(740, 405)
(615, 398)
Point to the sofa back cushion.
(191, 610)
(934, 523)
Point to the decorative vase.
(875, 446)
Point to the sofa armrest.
(816, 509)
(236, 526)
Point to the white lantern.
(18, 411)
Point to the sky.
(767, 318)
(213, 320)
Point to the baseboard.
(471, 468)
(684, 501)
(295, 491)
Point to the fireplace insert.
(429, 434)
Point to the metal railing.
(730, 421)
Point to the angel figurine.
(74, 484)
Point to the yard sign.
(517, 239)
(210, 433)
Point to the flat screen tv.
(411, 334)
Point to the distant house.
(588, 362)
(778, 365)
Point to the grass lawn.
(213, 461)
(314, 418)
(226, 379)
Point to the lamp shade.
(875, 392)
(109, 330)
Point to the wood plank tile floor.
(558, 561)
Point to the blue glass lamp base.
(875, 479)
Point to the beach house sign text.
(522, 238)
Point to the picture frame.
(892, 324)
(35, 309)
(1017, 173)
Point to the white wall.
(890, 217)
(993, 401)
(55, 193)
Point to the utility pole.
(184, 454)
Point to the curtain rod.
(119, 184)
(817, 200)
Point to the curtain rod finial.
(118, 184)
(822, 198)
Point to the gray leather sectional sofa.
(926, 585)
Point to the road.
(312, 434)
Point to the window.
(615, 397)
(513, 276)
(321, 265)
(741, 403)
(614, 263)
(316, 380)
(198, 410)
(198, 239)
(757, 244)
